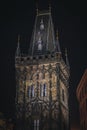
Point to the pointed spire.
(57, 34)
(57, 42)
(43, 26)
(67, 61)
(50, 6)
(18, 40)
(37, 9)
(18, 47)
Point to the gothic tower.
(42, 80)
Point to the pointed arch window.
(36, 124)
(43, 90)
(31, 91)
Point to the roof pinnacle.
(49, 7)
(67, 61)
(57, 36)
(37, 9)
(18, 39)
(57, 41)
(18, 47)
(65, 51)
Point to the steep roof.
(43, 37)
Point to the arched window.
(36, 124)
(44, 90)
(31, 91)
(41, 90)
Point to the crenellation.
(28, 60)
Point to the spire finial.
(67, 61)
(18, 38)
(49, 6)
(57, 34)
(65, 51)
(18, 47)
(57, 41)
(37, 8)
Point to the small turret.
(49, 7)
(37, 9)
(57, 43)
(18, 54)
(67, 61)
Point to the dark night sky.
(18, 18)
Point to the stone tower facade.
(42, 80)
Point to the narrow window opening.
(44, 90)
(36, 124)
(41, 90)
(31, 91)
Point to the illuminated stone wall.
(42, 92)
